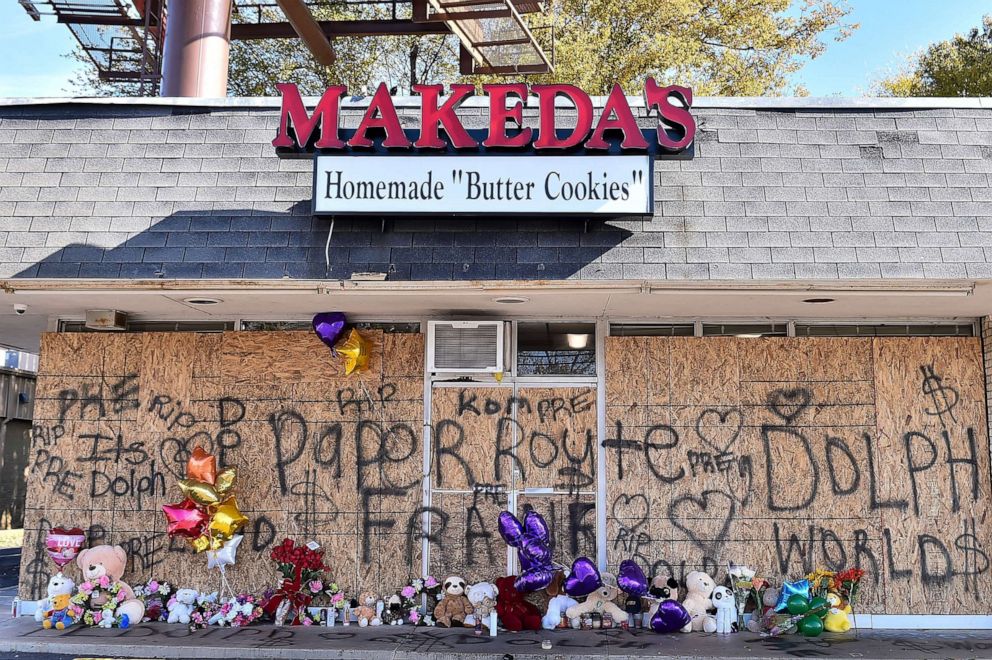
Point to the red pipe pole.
(197, 46)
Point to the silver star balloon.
(226, 555)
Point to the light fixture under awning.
(494, 34)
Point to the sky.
(33, 62)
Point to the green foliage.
(960, 66)
(720, 47)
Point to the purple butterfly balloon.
(535, 525)
(510, 529)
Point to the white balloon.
(226, 555)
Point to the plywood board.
(790, 454)
(320, 455)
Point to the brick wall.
(133, 191)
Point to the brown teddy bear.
(365, 611)
(110, 561)
(455, 606)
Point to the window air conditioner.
(465, 346)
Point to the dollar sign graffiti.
(976, 562)
(944, 397)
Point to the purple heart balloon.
(631, 578)
(534, 579)
(670, 617)
(510, 529)
(535, 525)
(329, 326)
(584, 578)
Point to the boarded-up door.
(511, 447)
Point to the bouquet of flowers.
(155, 594)
(101, 613)
(820, 582)
(205, 612)
(335, 596)
(847, 584)
(241, 610)
(302, 569)
(748, 587)
(411, 596)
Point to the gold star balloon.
(227, 519)
(356, 351)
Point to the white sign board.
(483, 185)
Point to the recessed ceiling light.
(818, 301)
(202, 301)
(577, 341)
(510, 300)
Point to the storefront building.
(777, 361)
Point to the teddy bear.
(599, 601)
(559, 602)
(454, 606)
(182, 605)
(838, 618)
(53, 611)
(482, 596)
(726, 610)
(768, 600)
(515, 613)
(364, 610)
(699, 587)
(110, 561)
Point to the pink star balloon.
(186, 519)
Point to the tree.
(720, 47)
(960, 66)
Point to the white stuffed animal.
(181, 605)
(557, 606)
(107, 619)
(53, 609)
(726, 610)
(482, 595)
(699, 587)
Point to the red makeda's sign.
(616, 128)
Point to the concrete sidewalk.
(175, 641)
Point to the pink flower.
(414, 616)
(153, 586)
(316, 586)
(86, 586)
(430, 582)
(408, 592)
(97, 616)
(307, 622)
(337, 598)
(104, 581)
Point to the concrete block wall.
(157, 191)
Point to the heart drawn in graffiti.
(789, 404)
(691, 514)
(631, 511)
(719, 428)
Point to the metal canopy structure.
(124, 38)
(494, 37)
